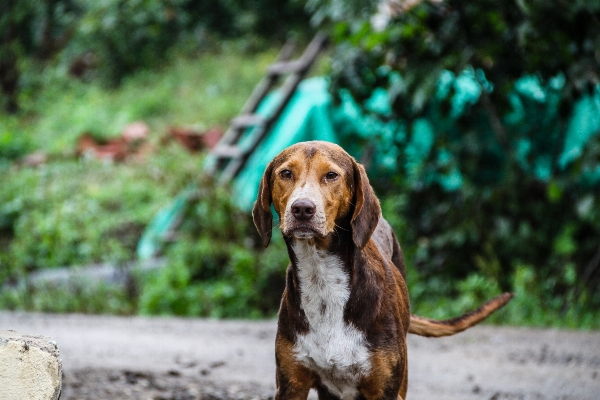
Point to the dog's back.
(388, 245)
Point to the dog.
(345, 310)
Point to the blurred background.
(478, 122)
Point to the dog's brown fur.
(345, 225)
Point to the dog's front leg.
(389, 377)
(383, 396)
(294, 380)
(290, 389)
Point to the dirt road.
(154, 358)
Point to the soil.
(170, 358)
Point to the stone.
(30, 367)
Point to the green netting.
(312, 115)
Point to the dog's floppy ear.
(367, 210)
(261, 213)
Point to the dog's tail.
(433, 328)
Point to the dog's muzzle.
(302, 224)
(303, 210)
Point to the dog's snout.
(303, 209)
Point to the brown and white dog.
(345, 311)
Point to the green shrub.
(79, 295)
(493, 191)
(106, 41)
(200, 92)
(217, 267)
(77, 212)
(70, 212)
(13, 144)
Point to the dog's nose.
(303, 209)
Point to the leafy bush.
(505, 40)
(115, 37)
(13, 145)
(217, 267)
(96, 215)
(78, 295)
(492, 204)
(111, 39)
(70, 212)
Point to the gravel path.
(172, 358)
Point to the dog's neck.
(338, 257)
(331, 345)
(312, 254)
(323, 277)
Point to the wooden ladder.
(228, 156)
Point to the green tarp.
(312, 115)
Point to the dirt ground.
(159, 358)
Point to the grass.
(202, 92)
(63, 212)
(530, 306)
(75, 212)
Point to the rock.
(30, 367)
(136, 131)
(35, 159)
(192, 139)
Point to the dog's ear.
(367, 210)
(261, 213)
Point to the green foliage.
(511, 221)
(505, 40)
(217, 268)
(199, 91)
(12, 144)
(71, 212)
(483, 233)
(493, 205)
(501, 228)
(151, 27)
(271, 18)
(324, 11)
(78, 295)
(95, 215)
(106, 41)
(532, 304)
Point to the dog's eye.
(286, 174)
(331, 176)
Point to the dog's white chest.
(335, 350)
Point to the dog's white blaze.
(335, 350)
(313, 193)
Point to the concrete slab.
(30, 367)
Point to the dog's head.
(314, 187)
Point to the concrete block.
(30, 367)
